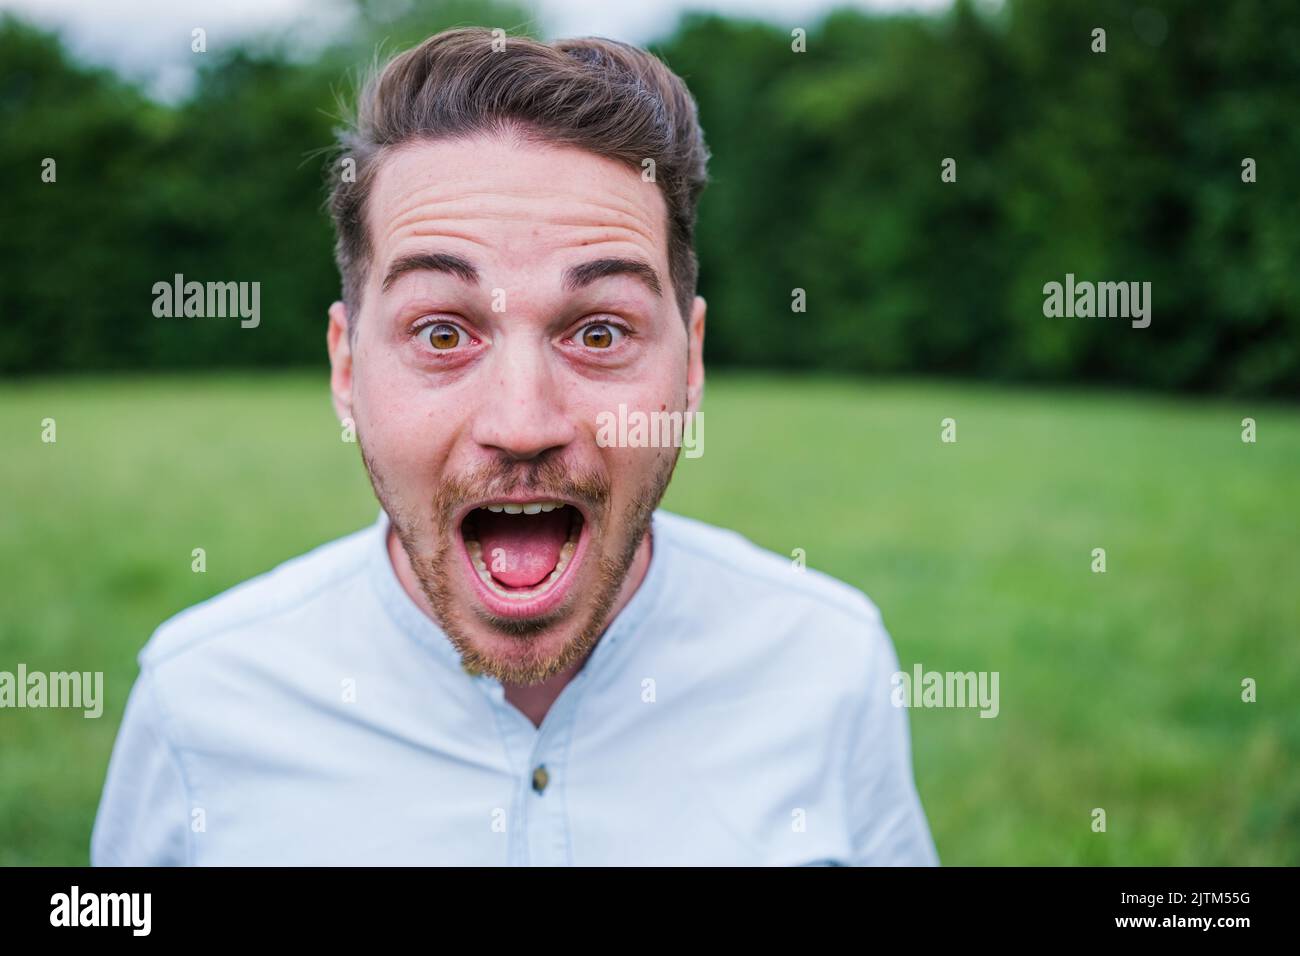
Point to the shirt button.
(540, 778)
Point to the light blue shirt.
(736, 712)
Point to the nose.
(524, 413)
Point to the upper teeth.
(529, 509)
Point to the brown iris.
(597, 337)
(444, 336)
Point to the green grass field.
(1119, 690)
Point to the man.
(522, 661)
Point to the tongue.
(521, 550)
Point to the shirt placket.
(538, 826)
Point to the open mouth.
(522, 554)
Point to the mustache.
(544, 477)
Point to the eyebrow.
(431, 262)
(575, 277)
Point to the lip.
(543, 603)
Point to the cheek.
(407, 434)
(630, 469)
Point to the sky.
(149, 40)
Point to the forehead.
(513, 204)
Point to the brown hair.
(606, 97)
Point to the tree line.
(890, 193)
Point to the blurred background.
(1119, 690)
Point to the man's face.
(508, 303)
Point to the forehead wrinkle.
(591, 234)
(418, 233)
(516, 195)
(426, 214)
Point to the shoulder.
(730, 560)
(792, 615)
(303, 585)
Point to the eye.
(599, 335)
(443, 336)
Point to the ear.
(695, 356)
(339, 344)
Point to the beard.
(583, 617)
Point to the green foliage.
(1115, 166)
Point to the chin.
(520, 589)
